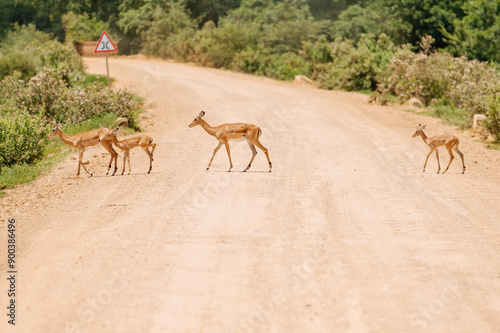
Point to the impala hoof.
(207, 168)
(91, 174)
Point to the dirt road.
(345, 235)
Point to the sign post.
(105, 45)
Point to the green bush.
(27, 51)
(493, 117)
(343, 64)
(218, 46)
(169, 32)
(21, 63)
(285, 66)
(431, 75)
(81, 28)
(22, 137)
(48, 94)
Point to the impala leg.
(461, 156)
(229, 155)
(254, 153)
(264, 149)
(124, 161)
(80, 154)
(451, 158)
(215, 152)
(80, 157)
(114, 155)
(153, 150)
(128, 157)
(425, 164)
(437, 156)
(150, 158)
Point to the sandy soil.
(347, 234)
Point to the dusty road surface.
(347, 234)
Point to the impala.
(447, 140)
(226, 132)
(140, 140)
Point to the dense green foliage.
(21, 137)
(81, 28)
(27, 51)
(346, 65)
(458, 26)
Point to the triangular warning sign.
(105, 44)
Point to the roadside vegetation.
(47, 84)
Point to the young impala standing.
(447, 140)
(227, 132)
(140, 140)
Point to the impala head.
(55, 131)
(196, 120)
(109, 136)
(420, 128)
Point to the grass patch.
(449, 115)
(490, 145)
(24, 173)
(493, 146)
(91, 79)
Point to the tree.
(405, 21)
(210, 10)
(81, 28)
(329, 9)
(478, 33)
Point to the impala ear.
(202, 113)
(423, 126)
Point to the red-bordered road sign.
(105, 44)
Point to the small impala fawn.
(447, 140)
(83, 140)
(140, 140)
(226, 132)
